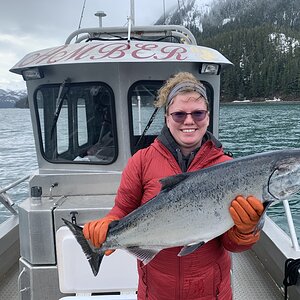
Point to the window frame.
(73, 143)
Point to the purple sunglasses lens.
(197, 115)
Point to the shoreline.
(260, 102)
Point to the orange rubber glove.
(96, 231)
(245, 213)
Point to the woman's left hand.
(246, 213)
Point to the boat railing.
(137, 32)
(289, 217)
(4, 197)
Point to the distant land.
(12, 99)
(19, 99)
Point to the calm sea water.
(252, 128)
(17, 153)
(244, 129)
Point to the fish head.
(285, 179)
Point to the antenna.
(132, 16)
(130, 20)
(164, 7)
(82, 11)
(100, 14)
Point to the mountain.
(188, 13)
(260, 37)
(9, 98)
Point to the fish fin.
(113, 224)
(259, 226)
(93, 257)
(171, 181)
(145, 255)
(188, 249)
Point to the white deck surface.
(250, 281)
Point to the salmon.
(193, 208)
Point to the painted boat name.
(99, 51)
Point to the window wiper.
(146, 128)
(59, 102)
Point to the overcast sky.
(29, 25)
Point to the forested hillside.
(261, 38)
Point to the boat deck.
(250, 280)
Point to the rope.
(291, 274)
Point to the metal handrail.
(4, 198)
(176, 30)
(291, 225)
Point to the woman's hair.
(176, 85)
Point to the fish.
(193, 208)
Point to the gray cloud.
(29, 25)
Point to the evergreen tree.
(260, 37)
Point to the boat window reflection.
(81, 116)
(141, 108)
(63, 129)
(83, 130)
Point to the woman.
(184, 145)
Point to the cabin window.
(77, 123)
(141, 98)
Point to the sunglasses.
(197, 115)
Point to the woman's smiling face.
(188, 133)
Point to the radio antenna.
(82, 12)
(164, 7)
(132, 17)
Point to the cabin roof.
(119, 51)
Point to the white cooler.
(118, 272)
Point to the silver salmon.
(193, 208)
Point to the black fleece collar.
(169, 142)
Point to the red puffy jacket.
(203, 274)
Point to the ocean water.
(244, 129)
(17, 153)
(252, 128)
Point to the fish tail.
(94, 258)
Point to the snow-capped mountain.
(9, 98)
(188, 13)
(195, 13)
(260, 37)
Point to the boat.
(91, 108)
(273, 100)
(242, 101)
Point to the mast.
(132, 16)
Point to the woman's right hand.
(96, 231)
